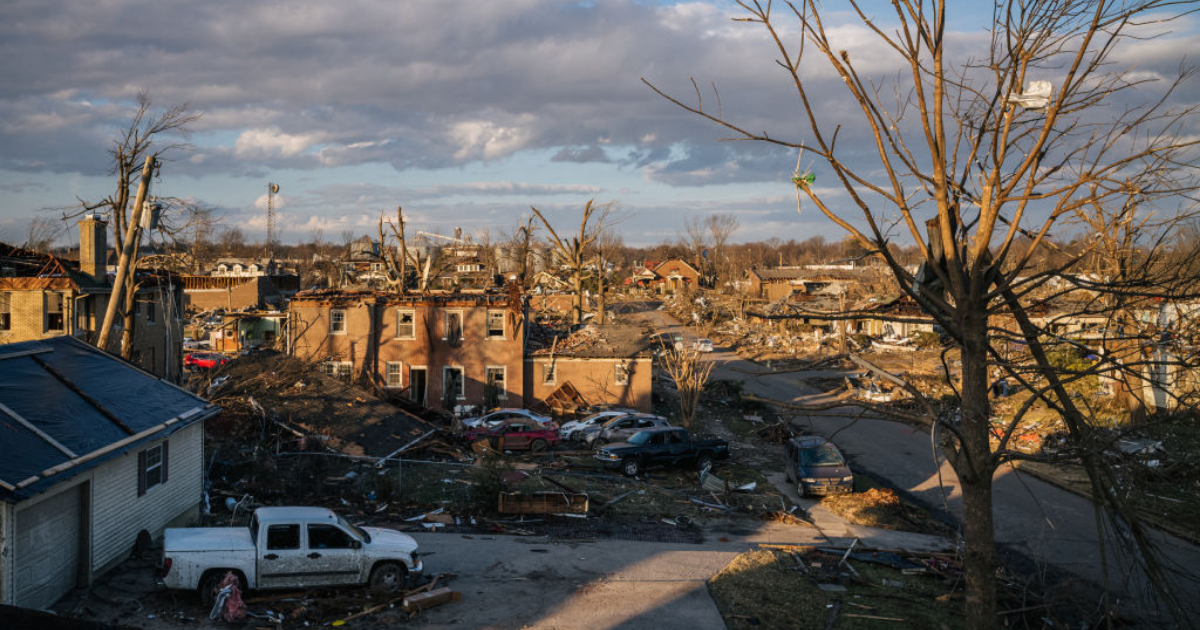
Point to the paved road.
(1036, 522)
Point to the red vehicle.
(205, 360)
(517, 434)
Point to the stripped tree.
(967, 157)
(575, 254)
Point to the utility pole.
(133, 235)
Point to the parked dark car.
(204, 360)
(817, 467)
(662, 447)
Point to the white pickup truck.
(288, 547)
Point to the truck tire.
(387, 577)
(800, 489)
(704, 461)
(537, 446)
(631, 466)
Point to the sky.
(465, 113)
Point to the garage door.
(47, 549)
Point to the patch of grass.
(760, 590)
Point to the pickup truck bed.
(209, 539)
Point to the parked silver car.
(622, 428)
(574, 430)
(500, 416)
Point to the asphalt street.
(1037, 523)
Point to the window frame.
(446, 315)
(487, 325)
(620, 374)
(550, 370)
(5, 311)
(335, 330)
(502, 394)
(387, 374)
(61, 312)
(462, 381)
(145, 467)
(412, 334)
(333, 367)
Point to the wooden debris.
(425, 601)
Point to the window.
(337, 321)
(621, 374)
(406, 324)
(395, 374)
(337, 369)
(453, 384)
(149, 312)
(283, 537)
(54, 311)
(152, 468)
(5, 311)
(549, 374)
(494, 382)
(453, 327)
(495, 324)
(328, 537)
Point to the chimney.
(93, 247)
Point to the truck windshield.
(358, 531)
(640, 438)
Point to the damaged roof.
(66, 407)
(594, 341)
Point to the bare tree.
(520, 246)
(607, 245)
(720, 228)
(576, 253)
(981, 154)
(690, 372)
(41, 234)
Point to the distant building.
(43, 296)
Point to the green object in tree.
(805, 179)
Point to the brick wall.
(593, 378)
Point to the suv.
(816, 466)
(574, 430)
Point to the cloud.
(267, 143)
(591, 153)
(24, 187)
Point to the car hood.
(573, 425)
(823, 472)
(390, 539)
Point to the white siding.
(118, 513)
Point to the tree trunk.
(601, 298)
(974, 469)
(129, 322)
(577, 307)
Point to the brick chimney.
(93, 247)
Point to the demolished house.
(441, 350)
(597, 365)
(97, 455)
(43, 296)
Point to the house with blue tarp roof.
(93, 452)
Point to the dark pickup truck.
(662, 447)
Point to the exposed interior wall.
(594, 379)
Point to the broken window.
(337, 321)
(54, 312)
(495, 388)
(549, 374)
(152, 468)
(5, 311)
(149, 312)
(395, 374)
(328, 537)
(621, 374)
(453, 384)
(406, 324)
(495, 324)
(453, 327)
(283, 537)
(337, 369)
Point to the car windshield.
(612, 421)
(358, 531)
(823, 456)
(641, 438)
